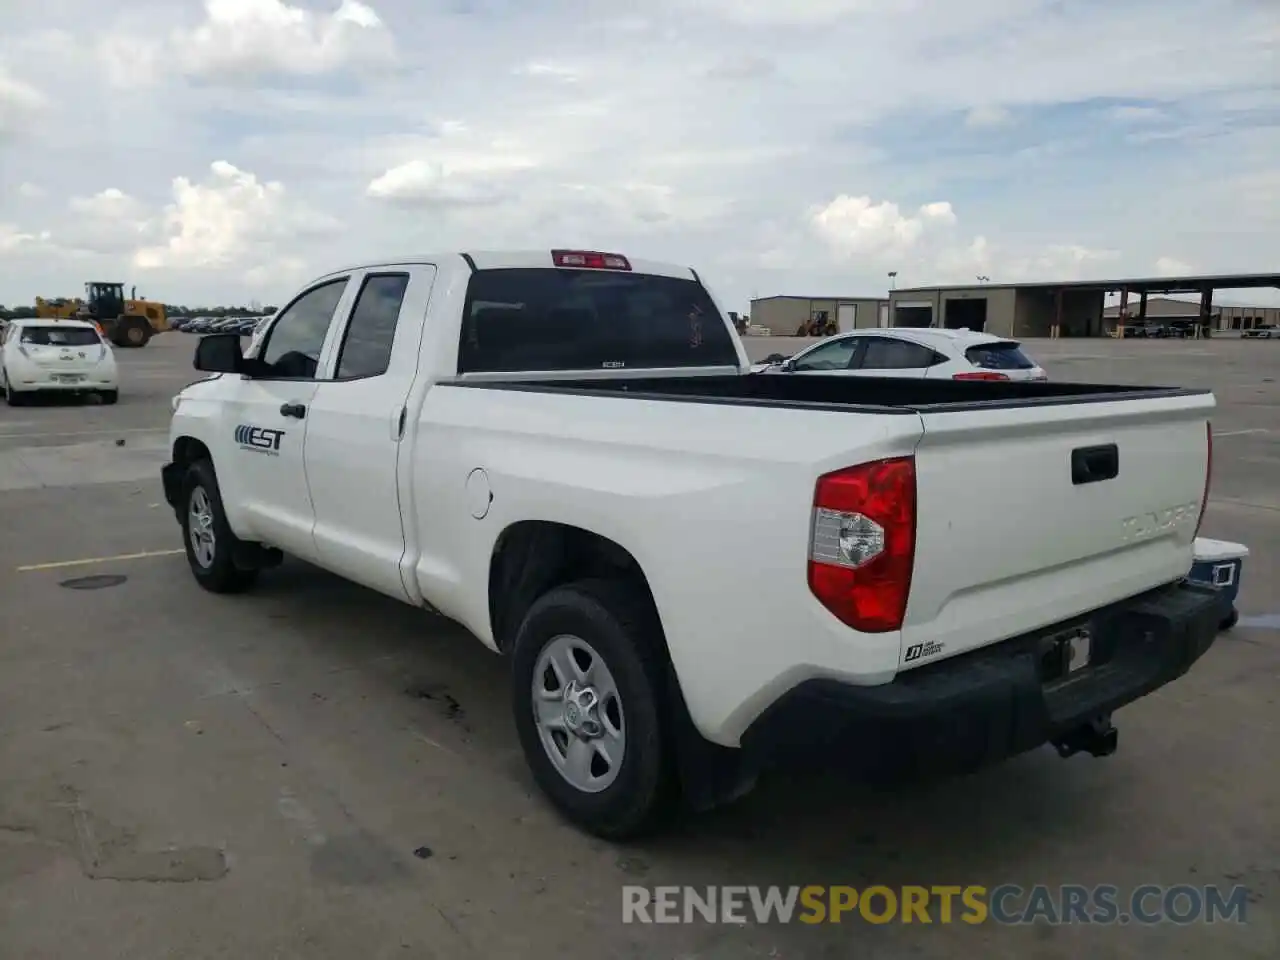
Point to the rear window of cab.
(534, 319)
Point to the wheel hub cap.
(578, 712)
(200, 527)
(581, 711)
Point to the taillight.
(590, 260)
(863, 543)
(984, 375)
(1208, 473)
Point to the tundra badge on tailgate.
(918, 651)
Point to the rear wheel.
(208, 539)
(11, 396)
(589, 703)
(109, 396)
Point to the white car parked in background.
(56, 356)
(924, 352)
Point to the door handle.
(1094, 464)
(296, 410)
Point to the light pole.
(893, 279)
(983, 279)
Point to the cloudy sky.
(226, 150)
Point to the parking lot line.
(58, 564)
(1239, 433)
(22, 435)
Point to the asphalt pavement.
(314, 771)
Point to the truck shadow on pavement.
(457, 693)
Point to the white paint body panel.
(712, 499)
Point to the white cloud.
(795, 13)
(710, 132)
(859, 227)
(742, 67)
(988, 116)
(1172, 267)
(424, 183)
(111, 203)
(265, 36)
(227, 220)
(20, 103)
(13, 240)
(1135, 114)
(30, 191)
(551, 70)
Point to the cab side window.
(366, 345)
(292, 348)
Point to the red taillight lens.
(864, 542)
(590, 260)
(984, 375)
(1208, 474)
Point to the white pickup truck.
(698, 572)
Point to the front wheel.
(209, 542)
(589, 703)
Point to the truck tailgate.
(1012, 537)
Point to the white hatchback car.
(924, 352)
(56, 356)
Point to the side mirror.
(220, 353)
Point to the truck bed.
(1036, 502)
(865, 395)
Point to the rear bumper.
(976, 709)
(31, 382)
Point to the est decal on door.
(259, 439)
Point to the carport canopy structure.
(1054, 293)
(1204, 285)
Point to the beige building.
(1023, 310)
(1069, 308)
(784, 316)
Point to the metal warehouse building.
(1066, 308)
(784, 316)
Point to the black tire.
(11, 396)
(132, 332)
(109, 396)
(1232, 619)
(220, 575)
(620, 624)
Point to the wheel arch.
(531, 557)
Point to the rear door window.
(884, 353)
(999, 356)
(557, 319)
(371, 332)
